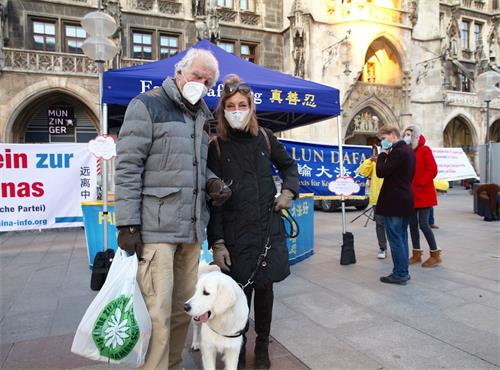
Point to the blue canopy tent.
(283, 102)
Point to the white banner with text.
(453, 164)
(42, 185)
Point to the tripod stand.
(368, 213)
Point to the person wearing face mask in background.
(396, 165)
(242, 155)
(424, 197)
(161, 211)
(368, 169)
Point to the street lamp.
(100, 48)
(487, 89)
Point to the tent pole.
(341, 161)
(103, 122)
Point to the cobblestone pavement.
(326, 316)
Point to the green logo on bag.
(115, 331)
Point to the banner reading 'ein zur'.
(42, 185)
(319, 164)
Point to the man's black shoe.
(391, 279)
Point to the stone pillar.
(427, 19)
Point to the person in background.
(432, 219)
(425, 197)
(368, 169)
(489, 199)
(441, 187)
(161, 212)
(243, 155)
(396, 165)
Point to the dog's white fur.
(220, 296)
(203, 268)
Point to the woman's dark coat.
(243, 220)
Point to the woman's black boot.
(262, 361)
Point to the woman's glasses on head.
(231, 88)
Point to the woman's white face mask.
(237, 119)
(407, 139)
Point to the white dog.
(220, 305)
(203, 268)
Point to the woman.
(242, 155)
(424, 197)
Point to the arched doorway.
(363, 128)
(55, 117)
(458, 133)
(495, 131)
(382, 64)
(376, 98)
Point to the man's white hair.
(193, 54)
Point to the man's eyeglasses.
(230, 89)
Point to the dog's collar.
(238, 334)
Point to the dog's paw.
(195, 346)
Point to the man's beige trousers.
(167, 277)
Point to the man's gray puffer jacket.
(161, 167)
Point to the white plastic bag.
(116, 327)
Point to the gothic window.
(382, 65)
(227, 46)
(477, 33)
(464, 33)
(142, 45)
(465, 83)
(44, 35)
(74, 36)
(248, 52)
(169, 45)
(225, 3)
(247, 5)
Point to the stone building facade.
(394, 61)
(399, 62)
(42, 66)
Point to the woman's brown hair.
(222, 124)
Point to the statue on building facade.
(198, 8)
(413, 15)
(298, 38)
(298, 55)
(113, 8)
(3, 31)
(207, 20)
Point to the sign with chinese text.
(319, 165)
(42, 185)
(61, 120)
(302, 246)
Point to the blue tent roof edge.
(278, 95)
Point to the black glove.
(129, 239)
(218, 191)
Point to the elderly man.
(161, 209)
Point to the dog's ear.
(226, 298)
